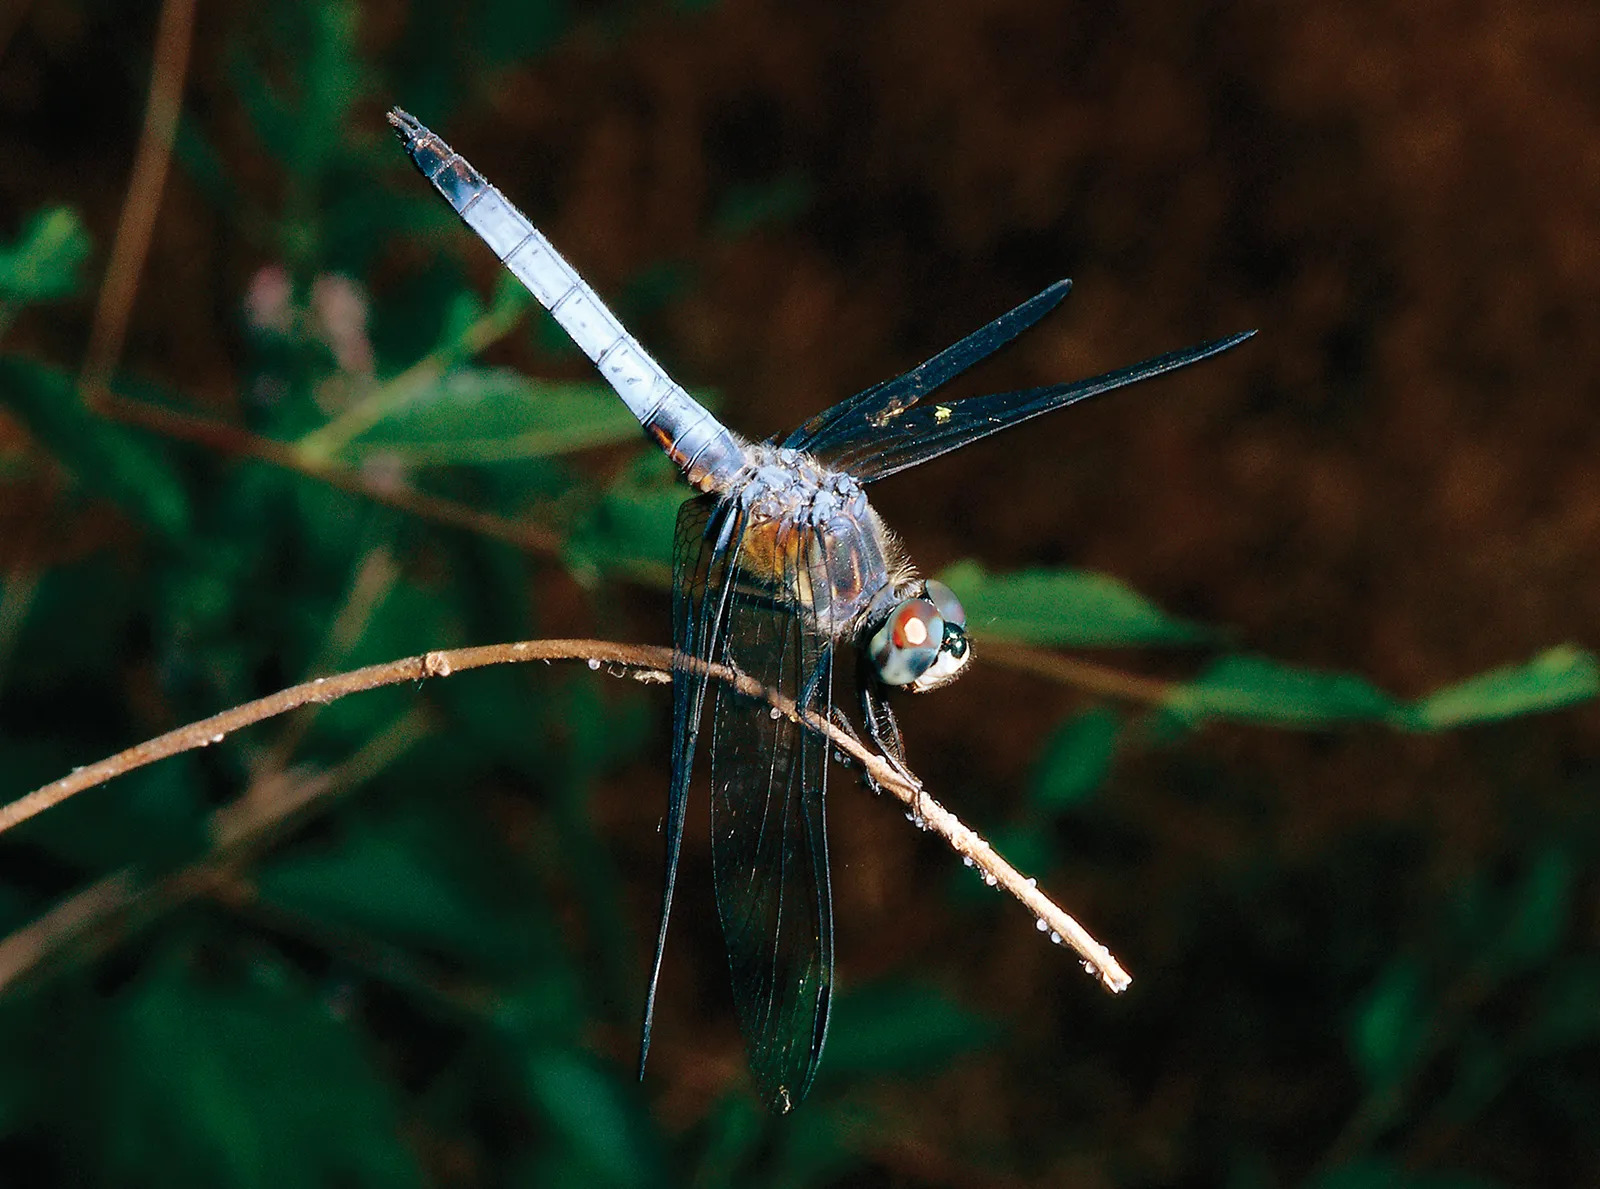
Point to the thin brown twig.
(120, 902)
(375, 577)
(67, 920)
(230, 439)
(168, 71)
(1102, 680)
(643, 662)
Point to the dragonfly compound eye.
(945, 602)
(954, 652)
(908, 643)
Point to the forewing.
(704, 562)
(915, 435)
(768, 843)
(862, 416)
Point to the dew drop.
(966, 860)
(1032, 883)
(216, 738)
(1055, 938)
(774, 712)
(594, 664)
(989, 879)
(1040, 925)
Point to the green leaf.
(1253, 689)
(519, 30)
(1556, 678)
(1479, 1075)
(332, 80)
(485, 415)
(900, 1028)
(633, 525)
(1362, 1174)
(597, 1116)
(103, 456)
(381, 881)
(43, 264)
(1538, 913)
(1076, 760)
(733, 1132)
(777, 202)
(1389, 1034)
(253, 1086)
(1063, 607)
(510, 300)
(156, 817)
(1375, 1173)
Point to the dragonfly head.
(923, 643)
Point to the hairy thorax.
(811, 535)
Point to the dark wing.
(914, 435)
(864, 413)
(704, 562)
(769, 847)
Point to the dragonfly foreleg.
(883, 731)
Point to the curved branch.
(640, 661)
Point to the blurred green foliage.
(427, 970)
(46, 259)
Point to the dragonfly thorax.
(811, 533)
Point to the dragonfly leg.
(842, 720)
(839, 719)
(884, 731)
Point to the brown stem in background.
(644, 663)
(230, 439)
(119, 904)
(1101, 680)
(168, 71)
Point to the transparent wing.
(704, 562)
(861, 417)
(769, 843)
(914, 435)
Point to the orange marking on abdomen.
(663, 437)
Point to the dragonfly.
(782, 573)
